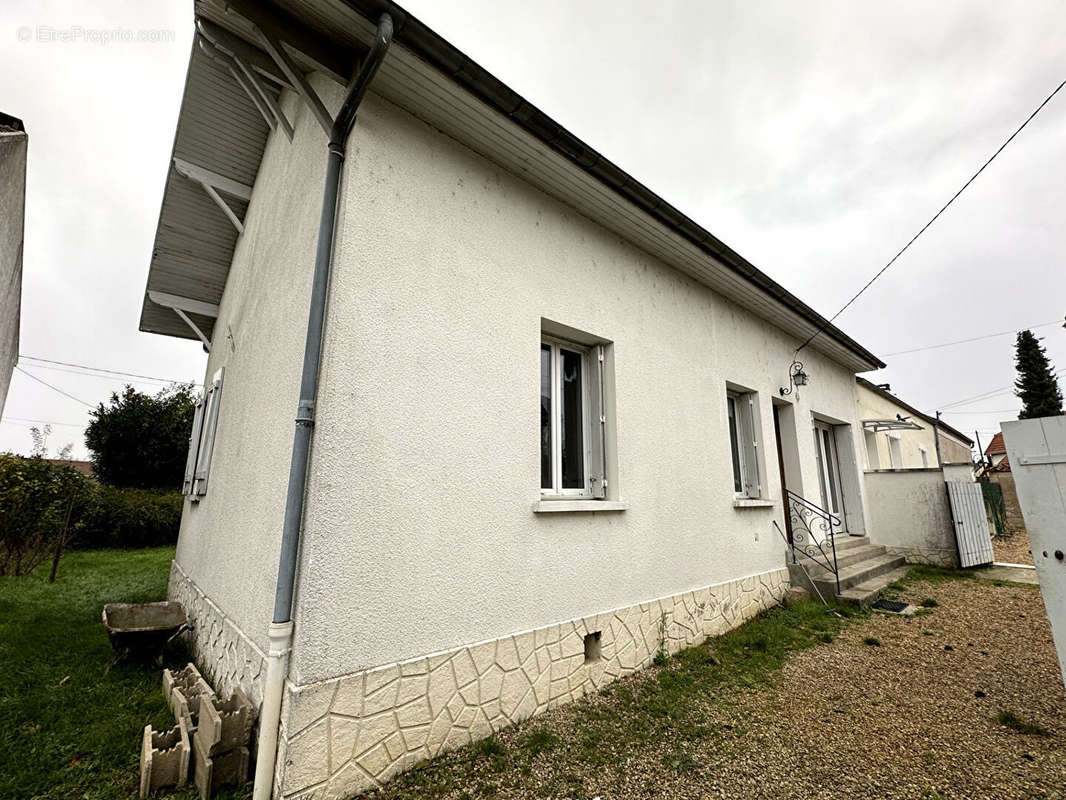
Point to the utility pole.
(936, 440)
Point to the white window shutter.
(597, 425)
(212, 401)
(194, 446)
(751, 448)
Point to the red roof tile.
(996, 445)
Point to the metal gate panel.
(1037, 452)
(971, 524)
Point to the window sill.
(752, 502)
(557, 506)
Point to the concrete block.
(191, 687)
(212, 772)
(224, 724)
(164, 758)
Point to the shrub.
(128, 518)
(37, 500)
(45, 507)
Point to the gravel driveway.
(892, 707)
(1013, 548)
(904, 719)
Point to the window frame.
(556, 490)
(743, 426)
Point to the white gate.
(1037, 452)
(971, 524)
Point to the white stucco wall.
(230, 540)
(909, 513)
(874, 406)
(419, 533)
(13, 147)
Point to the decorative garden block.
(164, 758)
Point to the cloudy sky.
(814, 137)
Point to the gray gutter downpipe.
(281, 628)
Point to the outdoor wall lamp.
(796, 377)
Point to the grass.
(597, 734)
(872, 641)
(68, 727)
(929, 602)
(1011, 720)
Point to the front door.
(781, 467)
(825, 451)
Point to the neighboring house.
(13, 147)
(553, 422)
(84, 467)
(909, 457)
(996, 455)
(997, 470)
(899, 436)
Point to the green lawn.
(68, 729)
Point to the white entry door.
(825, 451)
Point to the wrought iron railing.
(811, 533)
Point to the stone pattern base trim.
(350, 734)
(228, 659)
(934, 556)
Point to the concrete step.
(864, 594)
(855, 555)
(861, 572)
(846, 558)
(849, 542)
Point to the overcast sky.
(815, 138)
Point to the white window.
(572, 420)
(202, 439)
(743, 443)
(895, 453)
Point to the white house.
(554, 420)
(13, 146)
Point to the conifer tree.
(1036, 384)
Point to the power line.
(974, 339)
(997, 411)
(101, 369)
(935, 217)
(43, 422)
(113, 378)
(53, 388)
(985, 395)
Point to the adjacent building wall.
(953, 451)
(13, 149)
(910, 514)
(875, 406)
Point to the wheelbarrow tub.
(143, 628)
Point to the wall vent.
(592, 647)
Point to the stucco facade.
(420, 539)
(13, 149)
(911, 516)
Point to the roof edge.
(451, 62)
(936, 423)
